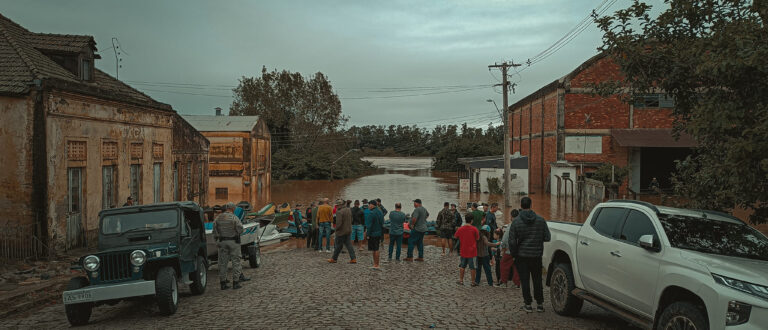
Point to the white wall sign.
(583, 144)
(464, 185)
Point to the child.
(483, 257)
(468, 236)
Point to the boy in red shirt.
(468, 236)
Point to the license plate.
(77, 296)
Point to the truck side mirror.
(647, 242)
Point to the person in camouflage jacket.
(445, 226)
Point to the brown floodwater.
(403, 179)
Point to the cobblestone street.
(299, 289)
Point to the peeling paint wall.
(16, 161)
(98, 125)
(190, 148)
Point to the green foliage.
(494, 187)
(289, 164)
(712, 58)
(606, 172)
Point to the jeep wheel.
(562, 284)
(78, 314)
(682, 315)
(254, 256)
(167, 291)
(199, 277)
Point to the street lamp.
(338, 159)
(497, 108)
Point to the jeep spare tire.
(78, 314)
(199, 277)
(167, 291)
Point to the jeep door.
(597, 240)
(637, 268)
(190, 241)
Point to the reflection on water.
(402, 179)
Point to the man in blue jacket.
(527, 235)
(375, 225)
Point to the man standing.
(366, 217)
(468, 236)
(381, 207)
(343, 230)
(396, 221)
(457, 223)
(324, 218)
(418, 228)
(226, 230)
(490, 218)
(128, 202)
(313, 232)
(445, 226)
(358, 223)
(527, 234)
(477, 217)
(375, 224)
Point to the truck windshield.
(715, 237)
(122, 223)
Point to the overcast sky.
(366, 48)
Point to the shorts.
(373, 243)
(357, 233)
(446, 233)
(467, 261)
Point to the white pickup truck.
(660, 267)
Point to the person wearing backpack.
(527, 235)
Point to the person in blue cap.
(483, 257)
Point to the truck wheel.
(682, 315)
(562, 284)
(78, 314)
(167, 291)
(254, 256)
(199, 277)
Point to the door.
(637, 268)
(597, 239)
(75, 207)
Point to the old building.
(77, 141)
(240, 157)
(564, 128)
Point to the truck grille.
(115, 266)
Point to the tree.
(712, 58)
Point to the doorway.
(75, 208)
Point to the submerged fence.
(20, 242)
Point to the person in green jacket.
(477, 216)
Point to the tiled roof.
(22, 62)
(222, 123)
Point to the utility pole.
(504, 66)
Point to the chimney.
(218, 111)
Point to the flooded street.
(401, 179)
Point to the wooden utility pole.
(504, 66)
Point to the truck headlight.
(91, 263)
(746, 287)
(138, 257)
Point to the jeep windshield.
(715, 236)
(134, 222)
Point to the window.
(108, 187)
(653, 101)
(176, 188)
(136, 182)
(583, 144)
(608, 220)
(222, 193)
(157, 182)
(636, 225)
(200, 179)
(109, 150)
(189, 181)
(77, 150)
(137, 150)
(75, 189)
(87, 69)
(713, 236)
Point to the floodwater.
(403, 179)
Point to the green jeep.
(144, 251)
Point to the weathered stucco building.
(240, 157)
(77, 141)
(563, 127)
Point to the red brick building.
(562, 125)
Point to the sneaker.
(353, 261)
(319, 250)
(327, 251)
(459, 282)
(331, 261)
(527, 309)
(540, 309)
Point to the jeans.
(342, 241)
(484, 263)
(357, 233)
(395, 240)
(324, 231)
(312, 239)
(417, 238)
(530, 267)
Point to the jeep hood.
(145, 247)
(743, 269)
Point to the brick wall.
(603, 113)
(652, 118)
(603, 69)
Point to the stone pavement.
(299, 289)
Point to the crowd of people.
(514, 250)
